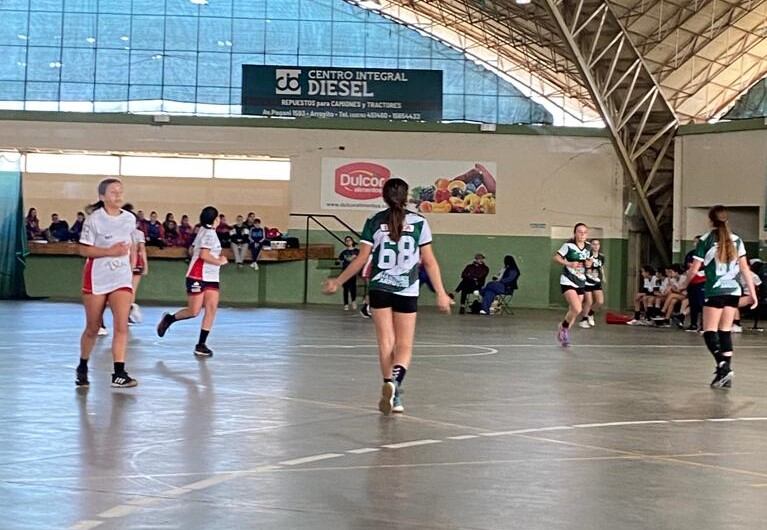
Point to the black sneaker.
(723, 377)
(164, 324)
(82, 378)
(365, 310)
(201, 350)
(691, 328)
(123, 380)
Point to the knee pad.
(725, 341)
(712, 341)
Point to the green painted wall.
(283, 283)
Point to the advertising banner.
(456, 187)
(324, 92)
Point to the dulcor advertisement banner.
(451, 186)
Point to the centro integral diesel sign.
(314, 92)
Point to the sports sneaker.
(592, 322)
(254, 266)
(634, 322)
(201, 350)
(397, 407)
(346, 307)
(354, 306)
(365, 310)
(135, 314)
(692, 328)
(386, 403)
(482, 312)
(164, 324)
(103, 332)
(723, 376)
(737, 329)
(563, 336)
(82, 378)
(123, 380)
(584, 324)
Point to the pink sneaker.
(563, 336)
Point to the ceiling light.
(90, 40)
(522, 1)
(124, 38)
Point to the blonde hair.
(725, 252)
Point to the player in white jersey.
(397, 240)
(202, 281)
(575, 257)
(105, 242)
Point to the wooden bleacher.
(316, 252)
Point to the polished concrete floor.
(503, 429)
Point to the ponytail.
(395, 194)
(103, 185)
(725, 251)
(90, 208)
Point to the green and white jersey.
(574, 276)
(721, 278)
(395, 265)
(595, 274)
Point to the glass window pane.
(76, 92)
(213, 69)
(316, 9)
(73, 164)
(147, 33)
(44, 64)
(144, 92)
(78, 64)
(182, 7)
(113, 31)
(112, 66)
(381, 40)
(13, 29)
(14, 4)
(108, 92)
(178, 93)
(215, 34)
(13, 63)
(114, 6)
(315, 38)
(249, 8)
(146, 67)
(45, 29)
(315, 60)
(413, 44)
(249, 36)
(82, 6)
(46, 5)
(452, 107)
(213, 95)
(348, 38)
(42, 91)
(281, 37)
(282, 9)
(11, 90)
(452, 76)
(219, 8)
(180, 68)
(80, 30)
(148, 7)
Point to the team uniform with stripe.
(202, 276)
(394, 266)
(574, 278)
(595, 273)
(722, 284)
(107, 274)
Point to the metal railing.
(315, 217)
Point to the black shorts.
(395, 302)
(578, 290)
(594, 287)
(645, 292)
(198, 286)
(722, 301)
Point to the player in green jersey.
(722, 256)
(396, 241)
(575, 257)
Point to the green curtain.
(13, 236)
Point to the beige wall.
(68, 194)
(553, 180)
(727, 168)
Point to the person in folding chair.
(504, 285)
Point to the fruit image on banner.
(458, 187)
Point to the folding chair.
(504, 303)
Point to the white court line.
(414, 443)
(686, 421)
(721, 420)
(308, 459)
(363, 450)
(618, 424)
(118, 511)
(463, 437)
(208, 482)
(86, 524)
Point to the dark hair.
(208, 215)
(575, 229)
(725, 251)
(648, 269)
(354, 243)
(395, 194)
(81, 213)
(257, 220)
(128, 207)
(54, 214)
(29, 213)
(168, 216)
(153, 213)
(677, 268)
(102, 189)
(251, 213)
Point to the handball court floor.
(280, 429)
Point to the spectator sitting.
(155, 235)
(505, 284)
(141, 222)
(240, 237)
(172, 236)
(77, 227)
(59, 229)
(257, 238)
(185, 231)
(222, 231)
(169, 219)
(472, 279)
(251, 220)
(33, 226)
(345, 259)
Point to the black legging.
(466, 287)
(696, 298)
(350, 290)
